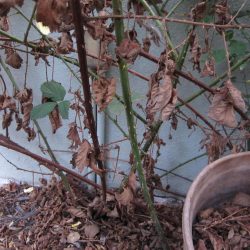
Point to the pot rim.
(187, 233)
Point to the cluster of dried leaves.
(49, 218)
(224, 227)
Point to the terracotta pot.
(216, 182)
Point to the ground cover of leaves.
(51, 218)
(225, 227)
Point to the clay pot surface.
(218, 181)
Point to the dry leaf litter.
(48, 217)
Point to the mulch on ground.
(48, 217)
(224, 227)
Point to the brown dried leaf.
(241, 199)
(215, 145)
(14, 60)
(125, 197)
(222, 110)
(132, 181)
(77, 212)
(19, 122)
(91, 230)
(216, 240)
(55, 120)
(7, 119)
(82, 158)
(128, 50)
(5, 5)
(195, 49)
(236, 96)
(4, 23)
(146, 44)
(104, 89)
(168, 109)
(73, 237)
(223, 12)
(198, 11)
(51, 12)
(160, 97)
(73, 136)
(209, 68)
(201, 245)
(25, 97)
(113, 213)
(31, 133)
(9, 102)
(66, 44)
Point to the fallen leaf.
(216, 240)
(113, 213)
(230, 234)
(91, 230)
(241, 199)
(73, 237)
(201, 245)
(76, 212)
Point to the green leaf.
(53, 90)
(64, 109)
(237, 47)
(208, 19)
(219, 55)
(229, 35)
(42, 110)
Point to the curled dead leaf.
(14, 60)
(209, 68)
(73, 136)
(236, 96)
(4, 23)
(55, 119)
(132, 181)
(125, 197)
(5, 6)
(128, 50)
(7, 119)
(104, 90)
(51, 12)
(222, 110)
(9, 103)
(66, 44)
(82, 158)
(25, 97)
(91, 230)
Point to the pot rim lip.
(190, 193)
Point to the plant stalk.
(123, 68)
(82, 56)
